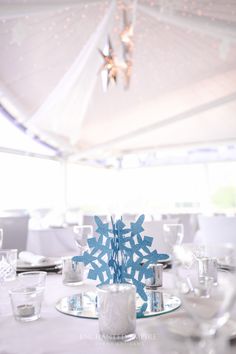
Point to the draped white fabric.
(183, 82)
(71, 96)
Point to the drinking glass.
(72, 271)
(208, 302)
(1, 238)
(34, 279)
(207, 267)
(8, 258)
(81, 235)
(26, 303)
(173, 235)
(196, 251)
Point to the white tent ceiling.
(183, 84)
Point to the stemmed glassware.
(81, 235)
(208, 296)
(173, 235)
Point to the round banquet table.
(57, 333)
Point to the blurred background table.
(52, 242)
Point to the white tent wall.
(194, 188)
(30, 182)
(93, 189)
(34, 183)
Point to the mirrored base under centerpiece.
(85, 304)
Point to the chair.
(52, 242)
(155, 229)
(128, 218)
(15, 230)
(89, 220)
(190, 224)
(216, 229)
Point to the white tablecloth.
(56, 333)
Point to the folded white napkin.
(32, 258)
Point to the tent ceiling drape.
(183, 84)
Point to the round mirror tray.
(85, 304)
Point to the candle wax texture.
(117, 310)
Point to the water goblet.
(173, 235)
(81, 235)
(208, 302)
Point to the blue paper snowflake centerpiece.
(120, 254)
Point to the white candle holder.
(207, 267)
(157, 275)
(117, 311)
(34, 279)
(26, 303)
(72, 272)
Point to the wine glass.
(173, 235)
(206, 299)
(81, 235)
(1, 238)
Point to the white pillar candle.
(117, 311)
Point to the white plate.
(50, 262)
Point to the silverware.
(56, 269)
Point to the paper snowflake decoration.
(120, 254)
